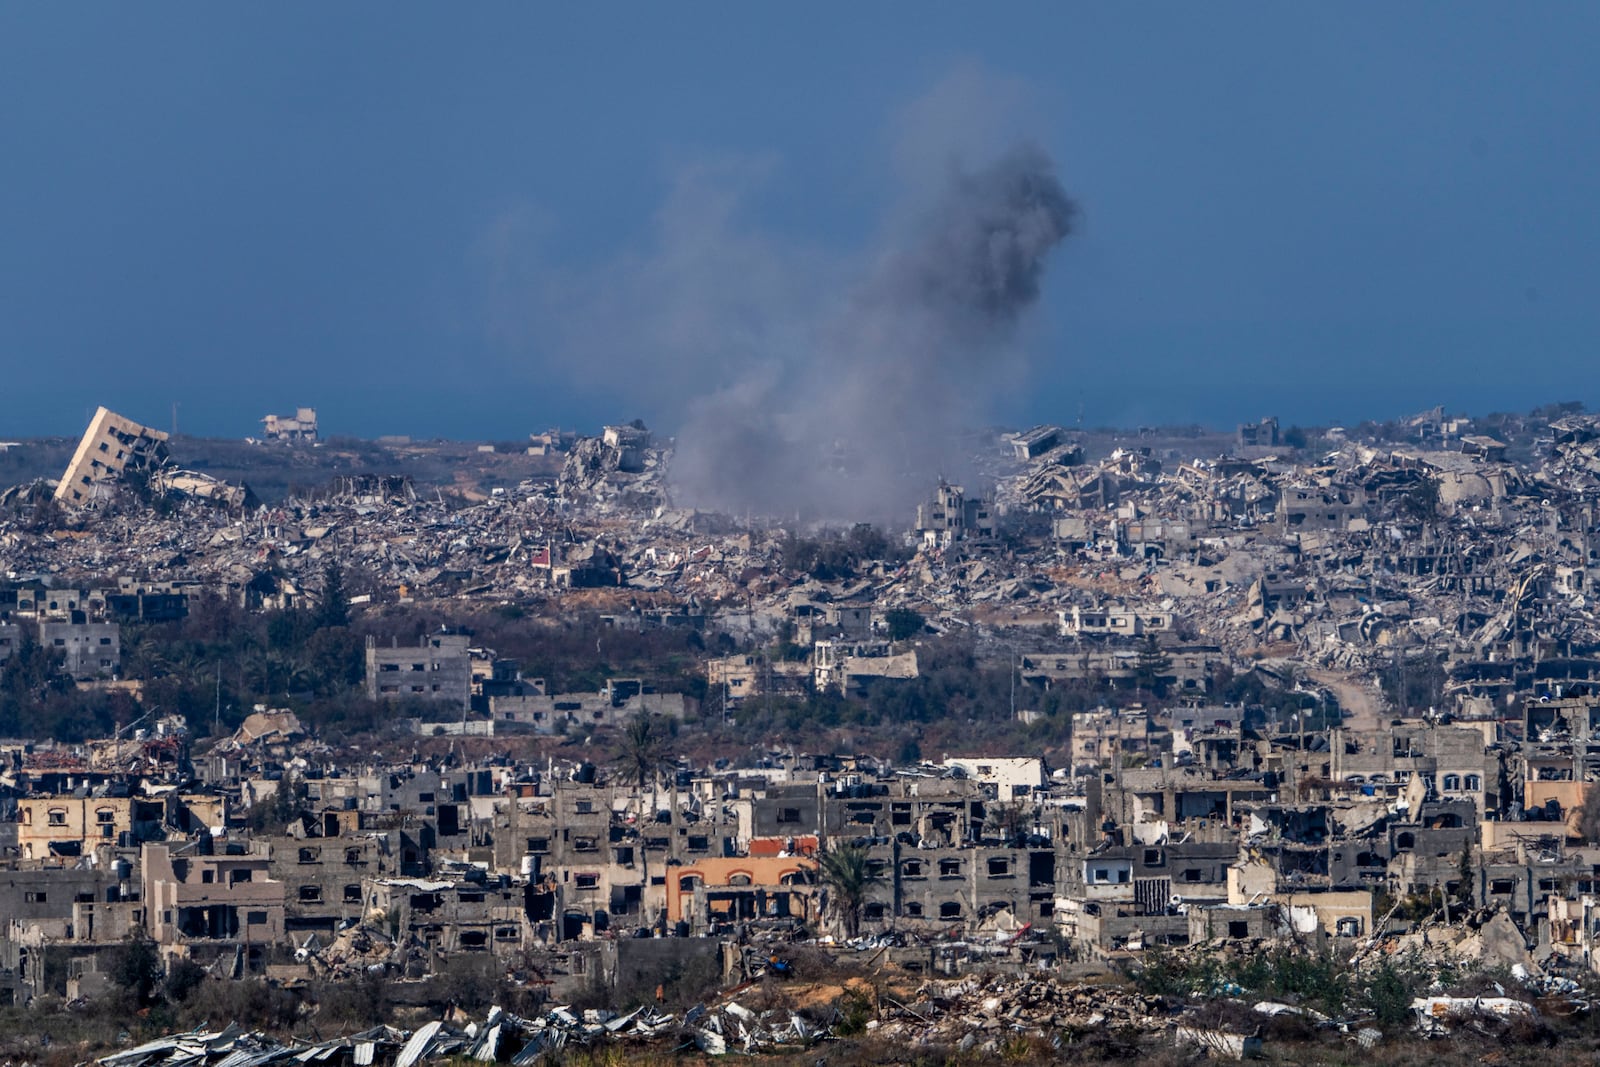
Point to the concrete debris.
(1440, 1015)
(501, 1037)
(265, 727)
(1333, 568)
(990, 1007)
(114, 447)
(618, 467)
(299, 428)
(1173, 819)
(1221, 1044)
(201, 487)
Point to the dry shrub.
(1223, 1014)
(1102, 1044)
(1288, 1027)
(1530, 1030)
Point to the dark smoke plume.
(856, 425)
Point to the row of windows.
(312, 894)
(690, 882)
(314, 855)
(58, 816)
(1452, 783)
(695, 843)
(912, 909)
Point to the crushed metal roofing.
(713, 1030)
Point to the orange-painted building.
(742, 887)
(804, 845)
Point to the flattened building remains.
(1191, 823)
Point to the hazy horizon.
(480, 222)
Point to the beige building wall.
(191, 897)
(87, 821)
(109, 445)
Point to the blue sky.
(1325, 212)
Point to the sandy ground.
(1360, 699)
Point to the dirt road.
(1360, 698)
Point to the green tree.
(31, 676)
(1151, 665)
(273, 814)
(136, 967)
(641, 757)
(641, 751)
(335, 607)
(183, 979)
(849, 878)
(904, 623)
(1009, 822)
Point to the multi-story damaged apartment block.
(197, 894)
(437, 669)
(88, 649)
(114, 449)
(301, 427)
(952, 516)
(111, 445)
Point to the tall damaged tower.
(110, 446)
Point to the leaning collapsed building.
(111, 446)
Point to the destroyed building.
(1031, 444)
(950, 516)
(88, 648)
(438, 668)
(110, 446)
(301, 427)
(1261, 434)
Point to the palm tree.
(641, 757)
(641, 751)
(849, 877)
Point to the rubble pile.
(981, 1010)
(230, 1043)
(732, 1027)
(620, 467)
(362, 949)
(1438, 1015)
(1336, 564)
